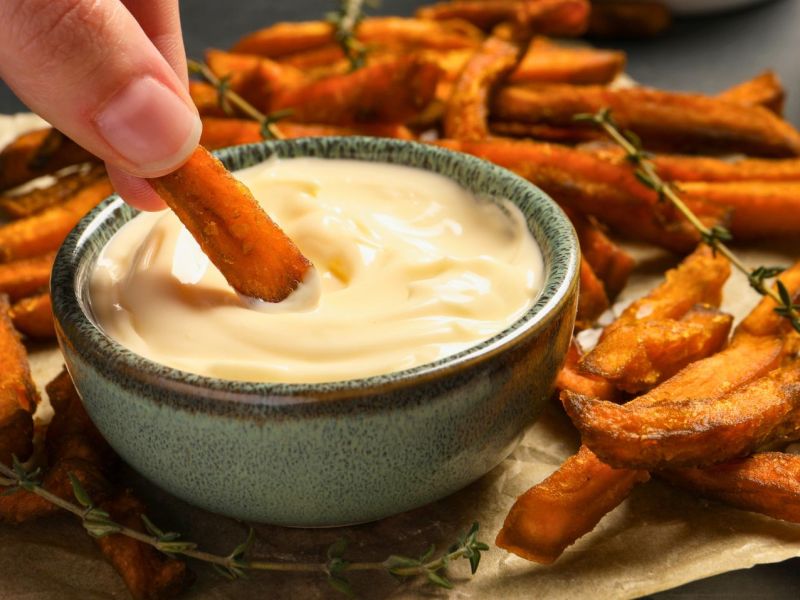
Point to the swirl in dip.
(410, 268)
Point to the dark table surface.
(703, 54)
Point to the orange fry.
(763, 90)
(547, 133)
(629, 19)
(767, 483)
(392, 91)
(698, 279)
(759, 209)
(609, 192)
(253, 254)
(18, 395)
(34, 201)
(549, 17)
(609, 262)
(258, 80)
(22, 278)
(665, 120)
(205, 98)
(592, 298)
(553, 514)
(572, 378)
(545, 61)
(703, 168)
(465, 115)
(219, 133)
(763, 320)
(638, 357)
(287, 39)
(44, 232)
(33, 317)
(17, 160)
(680, 432)
(148, 573)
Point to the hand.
(111, 75)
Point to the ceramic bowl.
(335, 453)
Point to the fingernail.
(150, 126)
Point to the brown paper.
(659, 538)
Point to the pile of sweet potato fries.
(666, 392)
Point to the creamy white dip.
(410, 267)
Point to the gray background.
(704, 54)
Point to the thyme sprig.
(98, 523)
(715, 236)
(346, 21)
(227, 97)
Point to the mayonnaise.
(410, 267)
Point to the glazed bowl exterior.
(335, 453)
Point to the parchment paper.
(659, 538)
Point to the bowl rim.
(109, 356)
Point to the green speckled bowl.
(324, 454)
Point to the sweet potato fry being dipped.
(22, 278)
(19, 164)
(44, 232)
(638, 357)
(766, 482)
(546, 61)
(599, 188)
(466, 113)
(253, 254)
(392, 91)
(759, 209)
(667, 121)
(33, 317)
(566, 18)
(34, 201)
(219, 133)
(573, 379)
(18, 396)
(763, 90)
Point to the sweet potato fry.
(465, 115)
(592, 298)
(547, 133)
(253, 254)
(286, 39)
(16, 159)
(763, 320)
(702, 168)
(767, 483)
(611, 264)
(746, 359)
(44, 232)
(547, 62)
(148, 574)
(548, 17)
(258, 80)
(23, 205)
(553, 514)
(219, 133)
(33, 317)
(698, 279)
(18, 396)
(668, 121)
(205, 98)
(590, 185)
(764, 90)
(681, 433)
(25, 277)
(759, 209)
(390, 92)
(572, 378)
(638, 357)
(628, 19)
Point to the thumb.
(89, 68)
